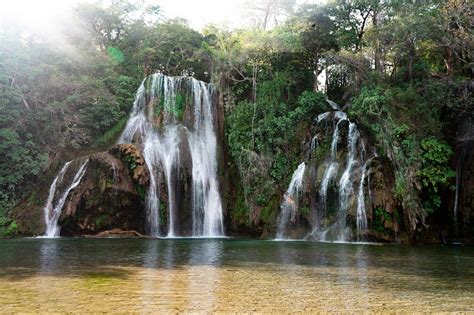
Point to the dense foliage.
(403, 68)
(399, 66)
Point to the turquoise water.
(133, 275)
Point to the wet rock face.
(347, 190)
(464, 229)
(111, 194)
(385, 220)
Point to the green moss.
(158, 107)
(141, 191)
(163, 214)
(148, 85)
(8, 227)
(240, 211)
(323, 149)
(179, 107)
(266, 215)
(130, 161)
(304, 210)
(380, 216)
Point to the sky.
(45, 15)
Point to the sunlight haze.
(44, 16)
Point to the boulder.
(110, 195)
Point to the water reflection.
(290, 284)
(362, 273)
(150, 263)
(49, 265)
(91, 276)
(180, 274)
(204, 282)
(49, 259)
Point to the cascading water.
(458, 181)
(346, 199)
(290, 202)
(329, 173)
(345, 183)
(161, 148)
(333, 104)
(207, 209)
(52, 211)
(361, 218)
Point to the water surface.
(226, 275)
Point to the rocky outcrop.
(357, 201)
(456, 223)
(385, 222)
(466, 193)
(110, 195)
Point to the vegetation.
(402, 68)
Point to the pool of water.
(229, 275)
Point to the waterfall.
(350, 187)
(329, 174)
(331, 169)
(207, 207)
(52, 211)
(458, 181)
(335, 137)
(161, 153)
(161, 149)
(290, 202)
(345, 182)
(361, 219)
(333, 104)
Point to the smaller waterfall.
(458, 181)
(48, 215)
(289, 206)
(52, 211)
(361, 219)
(350, 200)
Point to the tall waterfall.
(53, 208)
(290, 202)
(163, 122)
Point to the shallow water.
(202, 275)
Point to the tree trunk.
(448, 61)
(378, 53)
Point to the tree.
(318, 36)
(267, 13)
